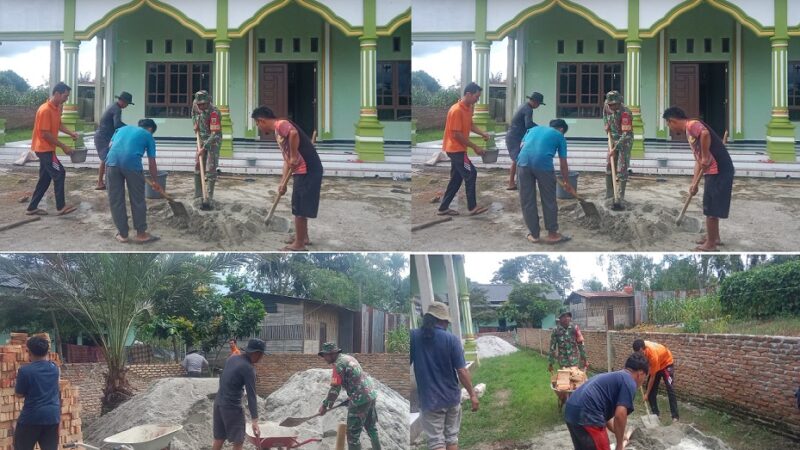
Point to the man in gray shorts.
(109, 122)
(239, 372)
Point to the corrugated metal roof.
(592, 294)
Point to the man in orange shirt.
(234, 347)
(456, 140)
(44, 143)
(661, 366)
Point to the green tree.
(479, 305)
(107, 293)
(423, 80)
(593, 285)
(635, 270)
(676, 273)
(530, 304)
(535, 269)
(13, 80)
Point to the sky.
(442, 60)
(480, 267)
(31, 60)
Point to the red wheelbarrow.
(287, 441)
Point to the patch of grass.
(783, 326)
(430, 135)
(19, 134)
(518, 403)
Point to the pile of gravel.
(491, 346)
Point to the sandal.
(36, 212)
(563, 238)
(478, 210)
(448, 212)
(121, 239)
(290, 249)
(100, 187)
(290, 240)
(66, 210)
(700, 248)
(532, 239)
(150, 238)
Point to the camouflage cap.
(328, 348)
(613, 97)
(564, 311)
(202, 96)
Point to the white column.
(110, 60)
(452, 296)
(510, 81)
(466, 64)
(99, 98)
(521, 58)
(55, 63)
(424, 280)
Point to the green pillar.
(413, 132)
(222, 72)
(633, 47)
(470, 346)
(482, 47)
(69, 115)
(369, 131)
(2, 131)
(780, 131)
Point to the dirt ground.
(355, 214)
(763, 216)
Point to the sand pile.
(302, 396)
(491, 346)
(173, 401)
(228, 222)
(642, 223)
(674, 437)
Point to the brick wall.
(390, 369)
(753, 377)
(18, 116)
(89, 378)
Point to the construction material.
(431, 223)
(19, 222)
(589, 208)
(479, 389)
(278, 195)
(341, 436)
(201, 159)
(145, 437)
(295, 421)
(649, 420)
(177, 207)
(14, 356)
(491, 346)
(613, 159)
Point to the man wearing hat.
(566, 343)
(618, 124)
(239, 372)
(207, 122)
(361, 392)
(109, 122)
(438, 361)
(520, 123)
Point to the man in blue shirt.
(37, 382)
(605, 401)
(438, 360)
(535, 167)
(124, 167)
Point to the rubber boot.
(609, 186)
(210, 182)
(198, 186)
(622, 184)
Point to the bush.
(443, 97)
(398, 340)
(763, 292)
(31, 97)
(678, 310)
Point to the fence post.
(2, 131)
(609, 352)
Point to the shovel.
(650, 420)
(295, 421)
(201, 158)
(589, 208)
(278, 196)
(617, 206)
(177, 207)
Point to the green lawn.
(518, 403)
(19, 134)
(784, 326)
(429, 135)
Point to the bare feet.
(291, 239)
(555, 238)
(702, 241)
(144, 238)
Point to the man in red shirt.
(713, 163)
(456, 140)
(44, 142)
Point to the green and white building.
(340, 68)
(733, 63)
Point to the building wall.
(396, 130)
(314, 316)
(748, 376)
(388, 368)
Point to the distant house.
(300, 325)
(604, 310)
(497, 295)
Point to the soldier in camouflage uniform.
(618, 121)
(362, 395)
(207, 121)
(566, 343)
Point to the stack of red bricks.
(12, 357)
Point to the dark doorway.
(290, 90)
(701, 89)
(610, 318)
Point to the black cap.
(127, 97)
(255, 346)
(538, 97)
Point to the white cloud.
(443, 60)
(32, 60)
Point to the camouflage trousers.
(622, 161)
(362, 417)
(211, 163)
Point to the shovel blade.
(589, 209)
(651, 421)
(178, 209)
(295, 421)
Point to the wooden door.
(273, 90)
(684, 92)
(610, 318)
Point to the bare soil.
(355, 214)
(763, 216)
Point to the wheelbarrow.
(277, 442)
(143, 437)
(562, 395)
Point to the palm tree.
(107, 292)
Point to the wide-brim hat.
(127, 97)
(329, 348)
(537, 96)
(256, 346)
(439, 310)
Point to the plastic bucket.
(490, 156)
(78, 155)
(662, 162)
(573, 181)
(251, 162)
(162, 181)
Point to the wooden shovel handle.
(163, 193)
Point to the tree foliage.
(480, 308)
(535, 269)
(423, 80)
(593, 285)
(768, 290)
(527, 305)
(12, 79)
